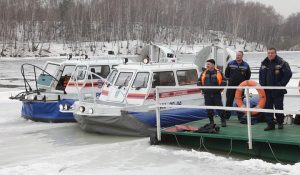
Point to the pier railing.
(248, 109)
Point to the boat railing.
(28, 89)
(91, 94)
(90, 76)
(248, 109)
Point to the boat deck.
(279, 145)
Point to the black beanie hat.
(211, 61)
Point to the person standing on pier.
(274, 71)
(236, 72)
(212, 77)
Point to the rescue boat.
(124, 105)
(57, 85)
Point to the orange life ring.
(261, 93)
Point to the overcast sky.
(284, 7)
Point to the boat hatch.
(45, 79)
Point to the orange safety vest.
(219, 77)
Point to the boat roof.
(90, 62)
(157, 66)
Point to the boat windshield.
(52, 68)
(80, 70)
(102, 71)
(111, 76)
(123, 79)
(141, 80)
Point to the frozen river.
(28, 147)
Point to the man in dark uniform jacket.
(212, 77)
(236, 71)
(274, 71)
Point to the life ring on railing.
(261, 93)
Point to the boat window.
(68, 70)
(81, 71)
(111, 76)
(163, 79)
(187, 77)
(52, 69)
(123, 79)
(102, 71)
(141, 80)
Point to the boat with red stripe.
(58, 84)
(124, 105)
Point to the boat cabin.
(135, 84)
(61, 77)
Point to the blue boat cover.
(179, 116)
(47, 111)
(170, 117)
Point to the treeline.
(183, 21)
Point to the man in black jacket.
(236, 71)
(274, 71)
(212, 77)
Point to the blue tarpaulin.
(47, 111)
(170, 117)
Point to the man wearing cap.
(212, 77)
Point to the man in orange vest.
(213, 77)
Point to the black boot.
(280, 125)
(270, 127)
(223, 122)
(211, 121)
(227, 115)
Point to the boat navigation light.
(32, 97)
(61, 107)
(146, 60)
(125, 60)
(81, 108)
(66, 107)
(91, 111)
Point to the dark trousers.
(230, 94)
(274, 101)
(214, 100)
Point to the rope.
(230, 147)
(204, 145)
(177, 140)
(273, 153)
(200, 144)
